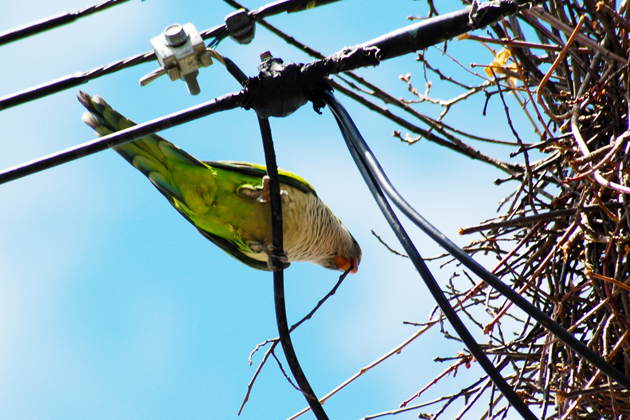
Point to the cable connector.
(241, 26)
(181, 53)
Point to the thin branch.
(367, 368)
(274, 342)
(528, 220)
(392, 250)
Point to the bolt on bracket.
(181, 53)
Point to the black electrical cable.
(278, 274)
(288, 6)
(64, 18)
(542, 318)
(435, 30)
(52, 22)
(218, 33)
(351, 135)
(222, 103)
(265, 11)
(77, 79)
(402, 41)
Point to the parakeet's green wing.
(259, 171)
(256, 170)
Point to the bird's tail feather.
(148, 154)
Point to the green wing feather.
(257, 170)
(157, 159)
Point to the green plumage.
(224, 200)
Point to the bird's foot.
(262, 195)
(265, 195)
(268, 249)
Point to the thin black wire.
(79, 78)
(284, 331)
(222, 103)
(288, 6)
(52, 22)
(403, 41)
(557, 330)
(232, 100)
(64, 18)
(352, 137)
(278, 274)
(218, 33)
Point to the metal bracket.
(181, 53)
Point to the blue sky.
(113, 306)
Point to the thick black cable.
(79, 78)
(549, 324)
(222, 103)
(278, 274)
(441, 28)
(402, 41)
(52, 22)
(349, 135)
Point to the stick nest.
(563, 239)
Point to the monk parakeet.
(228, 202)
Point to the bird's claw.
(261, 194)
(265, 195)
(268, 249)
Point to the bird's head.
(348, 256)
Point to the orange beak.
(344, 264)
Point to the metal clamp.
(241, 26)
(181, 53)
